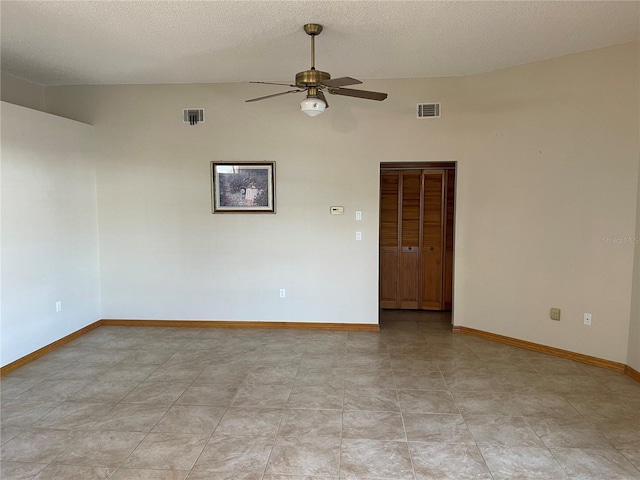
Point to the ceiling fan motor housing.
(311, 78)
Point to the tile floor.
(411, 402)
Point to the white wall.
(547, 165)
(49, 230)
(22, 92)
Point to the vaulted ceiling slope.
(124, 42)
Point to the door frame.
(422, 165)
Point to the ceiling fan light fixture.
(312, 106)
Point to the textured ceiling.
(105, 42)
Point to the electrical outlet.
(554, 314)
(283, 293)
(587, 319)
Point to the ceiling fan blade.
(275, 83)
(341, 82)
(323, 98)
(274, 95)
(350, 92)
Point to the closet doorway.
(417, 207)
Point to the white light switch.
(358, 215)
(358, 235)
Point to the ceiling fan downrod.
(313, 29)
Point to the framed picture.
(244, 187)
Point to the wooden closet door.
(450, 182)
(389, 186)
(410, 236)
(432, 239)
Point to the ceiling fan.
(314, 82)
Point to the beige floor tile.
(128, 373)
(373, 426)
(131, 417)
(543, 404)
(262, 396)
(53, 390)
(316, 397)
(167, 451)
(205, 475)
(369, 379)
(9, 432)
(305, 456)
(177, 374)
(485, 403)
(473, 380)
(190, 419)
(73, 472)
(633, 456)
(375, 459)
(448, 461)
(208, 394)
(156, 393)
(329, 377)
(420, 401)
(101, 449)
(20, 470)
(595, 463)
(573, 432)
(430, 427)
(502, 430)
(305, 422)
(622, 435)
(506, 463)
(11, 387)
(38, 446)
(250, 421)
(74, 415)
(371, 398)
(297, 477)
(101, 391)
(424, 380)
(147, 474)
(272, 374)
(234, 455)
(24, 413)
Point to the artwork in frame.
(243, 187)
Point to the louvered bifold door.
(410, 236)
(449, 189)
(389, 185)
(432, 240)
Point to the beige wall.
(547, 166)
(21, 92)
(49, 239)
(633, 359)
(550, 171)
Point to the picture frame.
(243, 187)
